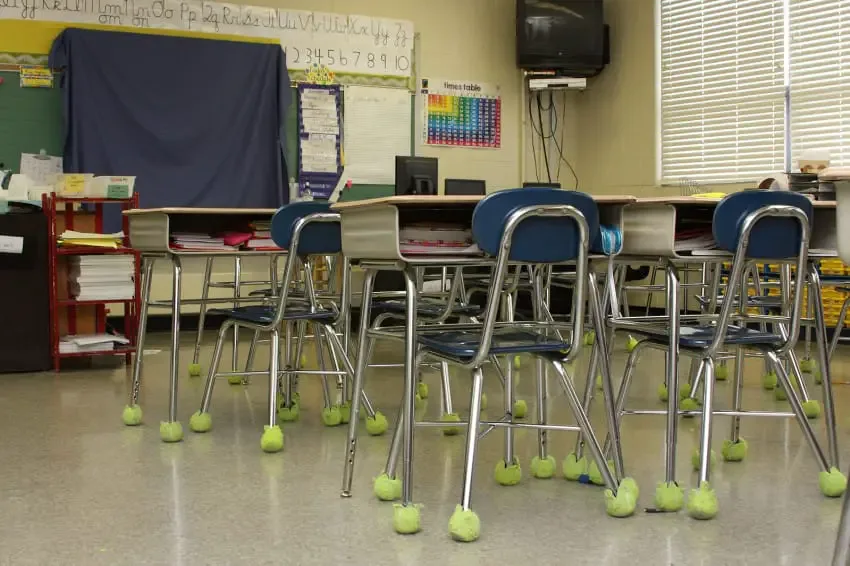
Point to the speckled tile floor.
(77, 487)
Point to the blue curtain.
(199, 122)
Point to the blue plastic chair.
(753, 225)
(306, 230)
(509, 226)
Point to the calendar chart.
(461, 114)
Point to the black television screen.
(566, 35)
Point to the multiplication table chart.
(461, 114)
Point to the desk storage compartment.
(650, 229)
(373, 232)
(150, 232)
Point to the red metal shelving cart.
(65, 310)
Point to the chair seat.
(463, 344)
(262, 314)
(702, 336)
(426, 308)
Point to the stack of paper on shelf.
(436, 239)
(73, 238)
(79, 343)
(101, 278)
(199, 241)
(695, 240)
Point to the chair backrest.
(764, 225)
(772, 237)
(536, 239)
(316, 238)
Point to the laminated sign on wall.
(460, 113)
(344, 43)
(319, 157)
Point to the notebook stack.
(261, 237)
(101, 278)
(82, 343)
(437, 239)
(199, 241)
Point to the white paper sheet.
(377, 128)
(318, 154)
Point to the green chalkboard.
(30, 120)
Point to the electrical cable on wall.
(551, 111)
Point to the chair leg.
(331, 414)
(542, 465)
(272, 439)
(841, 554)
(195, 366)
(201, 421)
(702, 502)
(620, 500)
(464, 524)
(249, 362)
(132, 413)
(832, 482)
(735, 448)
(376, 422)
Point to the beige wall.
(459, 39)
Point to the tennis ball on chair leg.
(722, 372)
(132, 415)
(769, 381)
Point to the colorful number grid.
(464, 121)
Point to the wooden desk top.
(442, 200)
(201, 211)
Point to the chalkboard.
(30, 120)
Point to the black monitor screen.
(415, 175)
(465, 187)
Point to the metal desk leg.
(669, 496)
(406, 517)
(360, 370)
(234, 365)
(132, 415)
(171, 430)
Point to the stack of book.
(437, 239)
(261, 237)
(101, 277)
(80, 343)
(199, 241)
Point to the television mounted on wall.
(566, 36)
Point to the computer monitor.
(415, 175)
(538, 184)
(465, 187)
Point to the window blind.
(722, 90)
(820, 78)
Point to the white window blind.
(820, 78)
(722, 89)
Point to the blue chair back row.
(536, 239)
(320, 238)
(771, 237)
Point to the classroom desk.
(370, 236)
(149, 232)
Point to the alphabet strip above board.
(344, 43)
